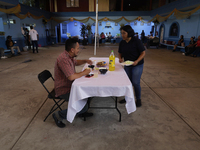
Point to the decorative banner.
(13, 10)
(139, 18)
(71, 19)
(105, 19)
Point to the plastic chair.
(43, 77)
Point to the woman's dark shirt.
(192, 42)
(131, 50)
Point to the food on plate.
(128, 62)
(101, 64)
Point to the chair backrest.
(44, 76)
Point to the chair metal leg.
(54, 109)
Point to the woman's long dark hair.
(129, 30)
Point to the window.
(11, 21)
(72, 3)
(174, 29)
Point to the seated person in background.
(151, 35)
(136, 35)
(197, 48)
(106, 35)
(102, 36)
(109, 35)
(2, 53)
(180, 43)
(10, 45)
(156, 35)
(190, 48)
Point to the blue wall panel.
(1, 25)
(188, 27)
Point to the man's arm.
(80, 62)
(37, 37)
(78, 75)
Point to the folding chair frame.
(57, 100)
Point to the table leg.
(118, 110)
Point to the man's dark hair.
(129, 30)
(70, 43)
(31, 27)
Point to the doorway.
(162, 29)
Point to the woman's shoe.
(138, 103)
(122, 101)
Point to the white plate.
(127, 63)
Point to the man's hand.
(87, 71)
(89, 62)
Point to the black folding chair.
(43, 77)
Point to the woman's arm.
(142, 54)
(120, 57)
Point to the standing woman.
(131, 48)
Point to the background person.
(34, 37)
(65, 74)
(190, 48)
(10, 45)
(131, 48)
(180, 43)
(197, 48)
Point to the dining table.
(112, 84)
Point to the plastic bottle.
(112, 61)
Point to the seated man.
(10, 45)
(2, 53)
(65, 74)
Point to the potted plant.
(83, 33)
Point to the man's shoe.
(60, 124)
(19, 53)
(86, 114)
(138, 103)
(13, 55)
(122, 101)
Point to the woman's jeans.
(63, 113)
(134, 73)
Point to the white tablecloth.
(113, 83)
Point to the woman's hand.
(135, 63)
(120, 60)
